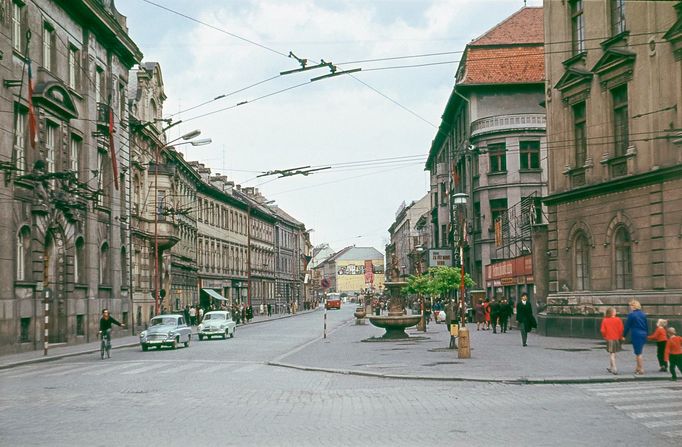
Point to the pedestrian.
(661, 338)
(249, 314)
(525, 318)
(242, 310)
(269, 310)
(486, 314)
(636, 322)
(479, 315)
(505, 312)
(673, 352)
(193, 315)
(185, 313)
(612, 331)
(494, 314)
(201, 315)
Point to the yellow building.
(354, 269)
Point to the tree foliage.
(437, 281)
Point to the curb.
(514, 381)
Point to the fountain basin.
(360, 312)
(395, 325)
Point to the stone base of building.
(579, 314)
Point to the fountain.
(396, 322)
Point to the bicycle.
(105, 346)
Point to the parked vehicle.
(166, 330)
(217, 323)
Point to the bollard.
(464, 351)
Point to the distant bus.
(333, 301)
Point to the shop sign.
(440, 258)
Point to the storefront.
(510, 278)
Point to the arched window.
(104, 264)
(582, 262)
(623, 261)
(79, 261)
(23, 253)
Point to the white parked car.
(166, 330)
(217, 323)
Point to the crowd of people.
(668, 343)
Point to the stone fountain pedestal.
(395, 324)
(360, 314)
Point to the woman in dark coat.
(524, 315)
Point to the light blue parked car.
(166, 330)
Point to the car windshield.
(214, 317)
(165, 321)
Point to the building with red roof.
(491, 146)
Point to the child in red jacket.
(660, 337)
(612, 331)
(673, 352)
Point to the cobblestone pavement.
(223, 392)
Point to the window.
(104, 264)
(17, 25)
(50, 148)
(23, 253)
(582, 263)
(443, 196)
(623, 247)
(80, 324)
(100, 178)
(137, 269)
(580, 134)
(25, 330)
(99, 84)
(620, 118)
(444, 235)
(498, 157)
(160, 204)
(498, 210)
(577, 26)
(617, 17)
(20, 139)
(79, 261)
(74, 78)
(74, 154)
(49, 47)
(530, 154)
(122, 100)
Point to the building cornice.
(616, 185)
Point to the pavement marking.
(672, 434)
(146, 368)
(106, 369)
(649, 395)
(642, 390)
(655, 414)
(657, 424)
(76, 369)
(648, 406)
(33, 372)
(626, 387)
(179, 368)
(248, 368)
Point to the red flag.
(32, 123)
(114, 162)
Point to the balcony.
(505, 123)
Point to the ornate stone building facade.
(63, 198)
(614, 95)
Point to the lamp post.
(187, 136)
(464, 351)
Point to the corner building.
(614, 96)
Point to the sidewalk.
(494, 357)
(62, 351)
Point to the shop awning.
(215, 294)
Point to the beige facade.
(614, 89)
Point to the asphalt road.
(222, 392)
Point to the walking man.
(525, 318)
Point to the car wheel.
(158, 347)
(201, 337)
(232, 333)
(225, 333)
(145, 348)
(174, 345)
(189, 337)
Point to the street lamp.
(464, 352)
(188, 136)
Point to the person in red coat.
(612, 331)
(660, 337)
(673, 352)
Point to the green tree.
(445, 279)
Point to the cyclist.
(105, 325)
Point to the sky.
(373, 128)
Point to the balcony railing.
(517, 121)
